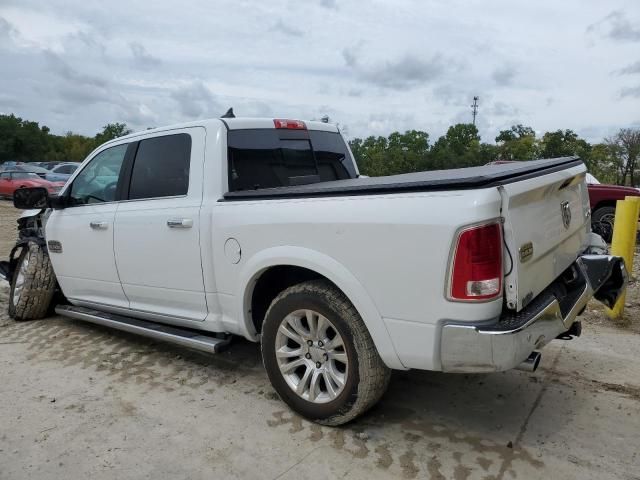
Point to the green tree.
(460, 147)
(111, 131)
(398, 153)
(21, 139)
(563, 143)
(602, 163)
(517, 143)
(76, 147)
(625, 146)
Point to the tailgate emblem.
(566, 214)
(526, 252)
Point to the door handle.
(99, 225)
(180, 223)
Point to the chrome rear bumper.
(503, 343)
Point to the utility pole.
(474, 108)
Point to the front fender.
(333, 271)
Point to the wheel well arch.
(604, 203)
(273, 280)
(293, 265)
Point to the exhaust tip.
(531, 363)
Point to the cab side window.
(161, 167)
(98, 181)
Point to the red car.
(10, 181)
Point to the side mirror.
(28, 198)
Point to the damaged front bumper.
(505, 342)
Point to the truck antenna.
(229, 114)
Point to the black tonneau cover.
(454, 179)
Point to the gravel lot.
(81, 401)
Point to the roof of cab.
(251, 123)
(237, 123)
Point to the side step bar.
(157, 331)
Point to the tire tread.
(39, 286)
(374, 375)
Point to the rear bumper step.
(504, 343)
(156, 331)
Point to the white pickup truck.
(263, 228)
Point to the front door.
(81, 235)
(157, 231)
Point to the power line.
(474, 108)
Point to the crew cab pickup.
(263, 229)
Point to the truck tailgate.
(546, 227)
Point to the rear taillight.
(289, 124)
(476, 273)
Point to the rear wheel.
(319, 355)
(33, 284)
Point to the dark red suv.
(603, 200)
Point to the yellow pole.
(623, 243)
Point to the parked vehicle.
(25, 167)
(603, 198)
(261, 228)
(11, 180)
(61, 172)
(9, 165)
(51, 165)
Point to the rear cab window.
(268, 158)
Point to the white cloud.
(391, 66)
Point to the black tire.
(602, 222)
(367, 377)
(39, 283)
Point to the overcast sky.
(374, 67)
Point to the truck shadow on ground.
(477, 420)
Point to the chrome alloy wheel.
(20, 279)
(311, 356)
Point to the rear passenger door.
(157, 234)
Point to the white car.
(261, 228)
(61, 172)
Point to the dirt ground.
(80, 401)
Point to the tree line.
(27, 141)
(614, 160)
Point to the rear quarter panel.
(395, 247)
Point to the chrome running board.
(179, 336)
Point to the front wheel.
(33, 284)
(319, 355)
